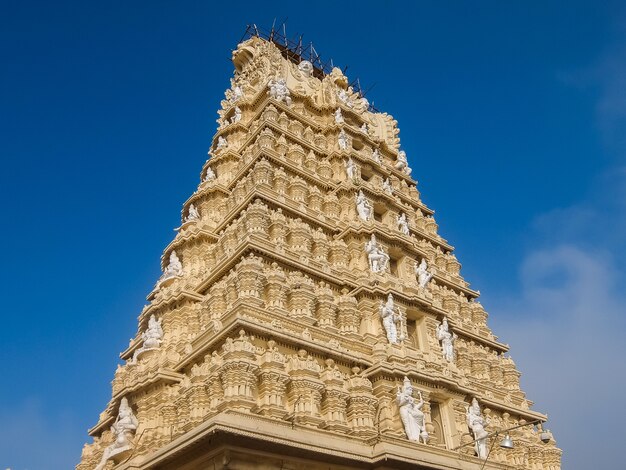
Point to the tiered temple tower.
(309, 315)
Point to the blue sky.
(513, 116)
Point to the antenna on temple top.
(272, 31)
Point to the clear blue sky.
(513, 115)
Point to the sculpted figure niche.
(376, 156)
(279, 91)
(151, 338)
(411, 413)
(338, 116)
(350, 169)
(477, 424)
(387, 187)
(210, 175)
(173, 269)
(237, 116)
(403, 224)
(306, 68)
(392, 320)
(343, 140)
(447, 340)
(222, 143)
(422, 273)
(402, 164)
(364, 207)
(378, 259)
(193, 214)
(123, 429)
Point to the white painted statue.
(447, 340)
(343, 140)
(338, 116)
(403, 224)
(350, 169)
(123, 429)
(193, 214)
(222, 143)
(237, 116)
(477, 424)
(279, 91)
(402, 164)
(345, 98)
(378, 259)
(387, 186)
(364, 207)
(411, 413)
(237, 94)
(151, 338)
(422, 273)
(174, 268)
(210, 175)
(364, 129)
(392, 320)
(376, 156)
(306, 68)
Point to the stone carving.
(364, 207)
(222, 143)
(403, 224)
(477, 424)
(151, 338)
(345, 98)
(422, 273)
(123, 429)
(411, 413)
(378, 259)
(376, 156)
(193, 214)
(393, 321)
(447, 340)
(209, 175)
(338, 116)
(350, 169)
(279, 91)
(237, 94)
(237, 116)
(173, 269)
(364, 129)
(387, 186)
(402, 164)
(343, 140)
(306, 68)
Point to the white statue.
(237, 116)
(422, 273)
(237, 94)
(378, 259)
(306, 68)
(343, 140)
(364, 129)
(174, 268)
(402, 164)
(338, 116)
(403, 224)
(350, 169)
(387, 187)
(364, 207)
(151, 338)
(222, 143)
(411, 413)
(210, 175)
(477, 423)
(123, 429)
(376, 156)
(392, 318)
(345, 98)
(279, 91)
(447, 340)
(193, 214)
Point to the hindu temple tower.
(310, 315)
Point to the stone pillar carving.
(362, 405)
(238, 373)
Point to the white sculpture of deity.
(402, 164)
(237, 94)
(237, 116)
(209, 175)
(387, 186)
(422, 273)
(403, 224)
(151, 338)
(378, 259)
(364, 207)
(392, 320)
(376, 156)
(343, 140)
(306, 68)
(174, 268)
(222, 143)
(350, 169)
(364, 129)
(193, 214)
(411, 413)
(279, 91)
(345, 98)
(447, 340)
(123, 429)
(338, 116)
(477, 424)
